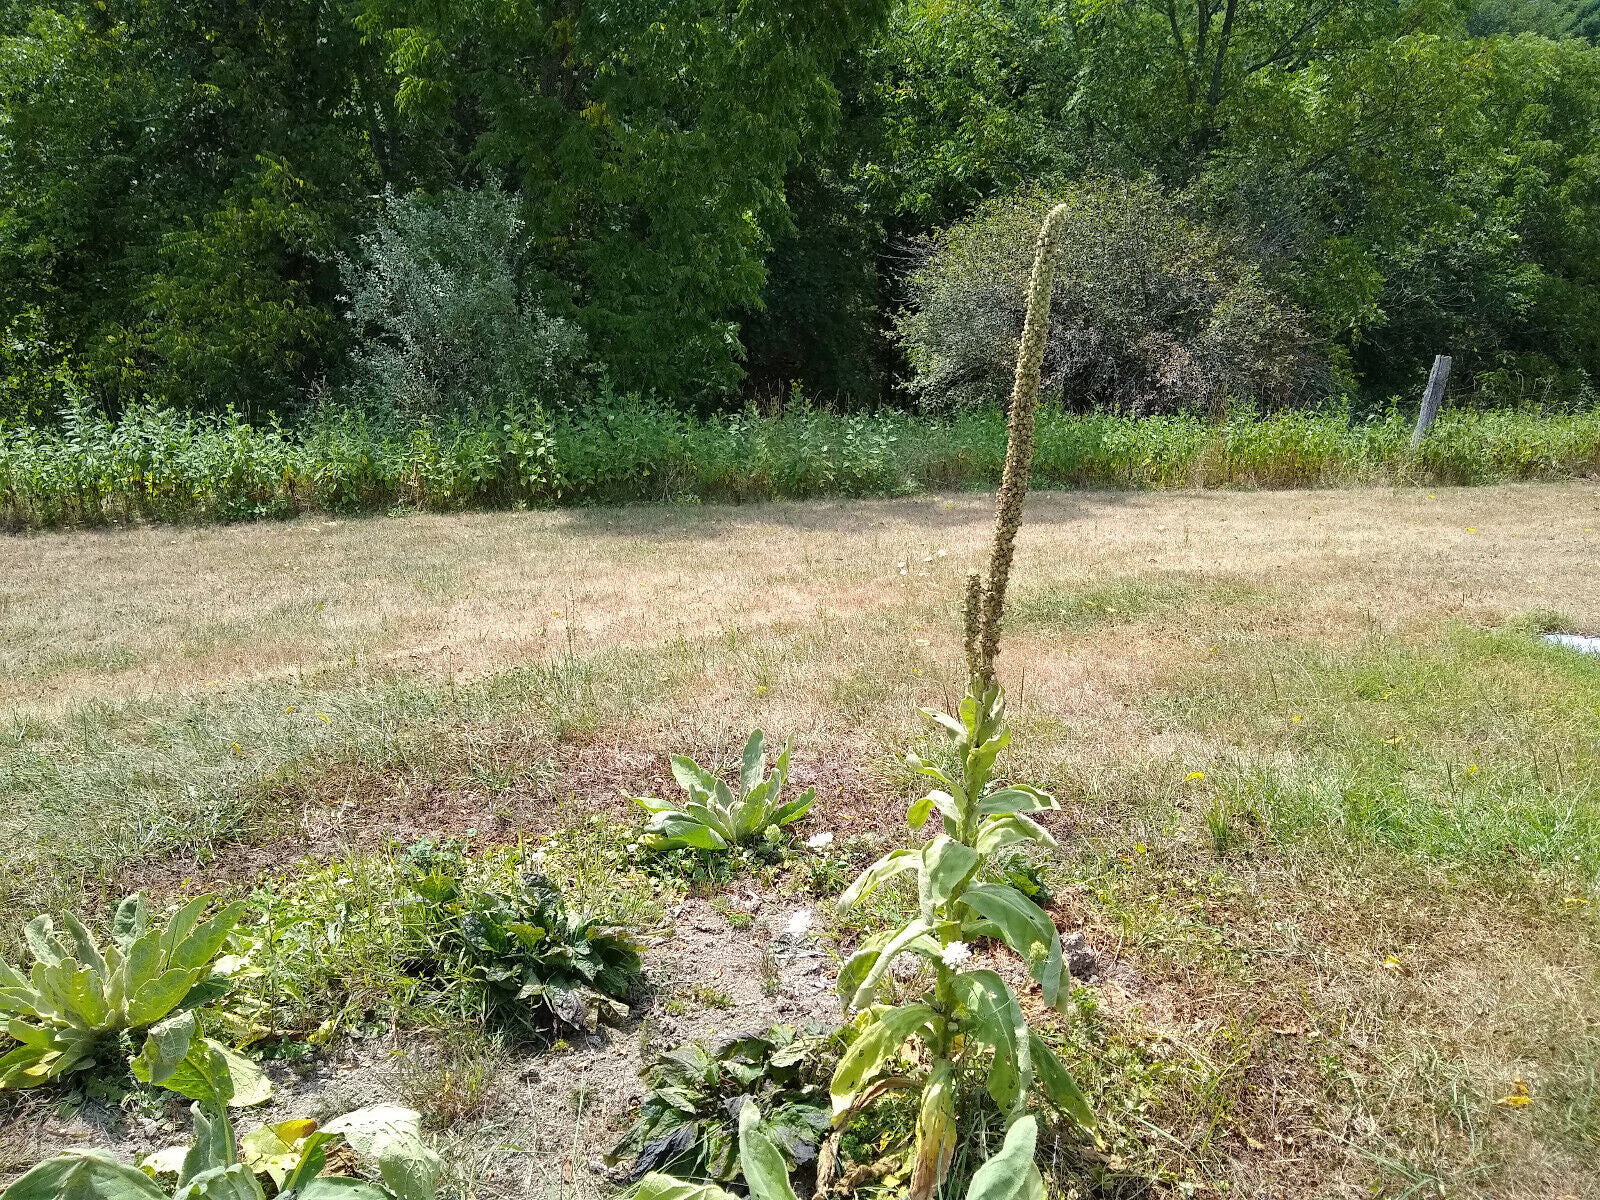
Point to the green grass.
(1478, 750)
(162, 465)
(109, 785)
(1157, 597)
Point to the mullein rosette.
(714, 818)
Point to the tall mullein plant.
(968, 1022)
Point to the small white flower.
(820, 841)
(955, 954)
(799, 924)
(538, 860)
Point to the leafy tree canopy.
(711, 196)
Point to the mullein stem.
(986, 603)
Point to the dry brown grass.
(125, 612)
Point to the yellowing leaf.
(275, 1149)
(1519, 1097)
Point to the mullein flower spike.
(986, 604)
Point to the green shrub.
(441, 292)
(1150, 312)
(535, 964)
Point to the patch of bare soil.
(546, 1118)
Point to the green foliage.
(968, 1020)
(178, 1057)
(82, 1002)
(37, 379)
(650, 142)
(441, 290)
(704, 191)
(1554, 19)
(1149, 312)
(1009, 1175)
(217, 1166)
(534, 964)
(174, 180)
(714, 817)
(688, 1124)
(154, 464)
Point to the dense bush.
(441, 291)
(1150, 311)
(153, 463)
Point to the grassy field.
(1332, 809)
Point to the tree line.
(258, 204)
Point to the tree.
(174, 180)
(650, 143)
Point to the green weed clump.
(434, 936)
(159, 464)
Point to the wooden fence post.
(1432, 398)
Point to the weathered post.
(1432, 397)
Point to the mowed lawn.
(1332, 807)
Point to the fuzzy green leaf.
(132, 921)
(1008, 829)
(886, 868)
(994, 1018)
(1019, 798)
(1058, 1084)
(878, 1043)
(1011, 1174)
(392, 1136)
(83, 1175)
(946, 865)
(907, 938)
(753, 763)
(655, 1186)
(764, 1169)
(1023, 926)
